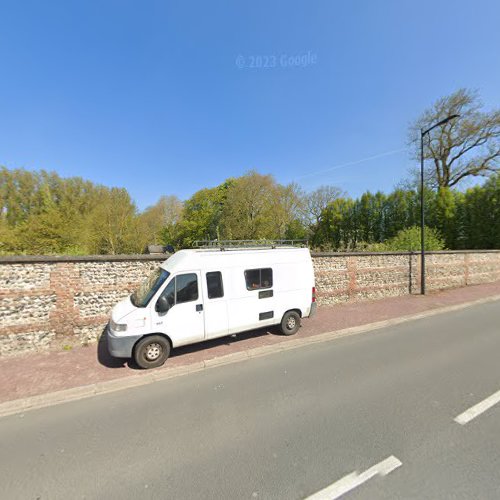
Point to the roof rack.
(226, 244)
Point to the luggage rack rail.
(230, 244)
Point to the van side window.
(186, 288)
(259, 278)
(214, 285)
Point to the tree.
(8, 237)
(444, 214)
(465, 147)
(287, 205)
(336, 229)
(202, 215)
(172, 213)
(249, 208)
(43, 213)
(481, 215)
(112, 224)
(492, 200)
(401, 211)
(48, 230)
(316, 201)
(19, 191)
(370, 217)
(160, 221)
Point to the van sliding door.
(252, 303)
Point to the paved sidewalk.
(47, 372)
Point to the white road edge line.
(476, 410)
(355, 479)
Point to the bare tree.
(316, 201)
(464, 147)
(159, 220)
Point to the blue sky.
(150, 95)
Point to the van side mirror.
(162, 305)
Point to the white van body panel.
(137, 319)
(182, 324)
(238, 310)
(216, 309)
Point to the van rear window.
(256, 279)
(214, 285)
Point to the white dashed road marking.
(476, 410)
(353, 480)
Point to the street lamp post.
(423, 133)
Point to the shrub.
(409, 240)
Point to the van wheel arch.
(298, 311)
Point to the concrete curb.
(77, 393)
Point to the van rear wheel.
(290, 323)
(152, 351)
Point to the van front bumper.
(121, 346)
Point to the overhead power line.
(355, 162)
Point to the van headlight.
(117, 327)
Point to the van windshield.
(142, 296)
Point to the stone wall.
(355, 277)
(48, 301)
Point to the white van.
(203, 294)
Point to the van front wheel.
(151, 351)
(290, 323)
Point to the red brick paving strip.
(51, 371)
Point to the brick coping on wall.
(30, 259)
(416, 252)
(48, 259)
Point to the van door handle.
(199, 307)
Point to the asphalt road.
(285, 425)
